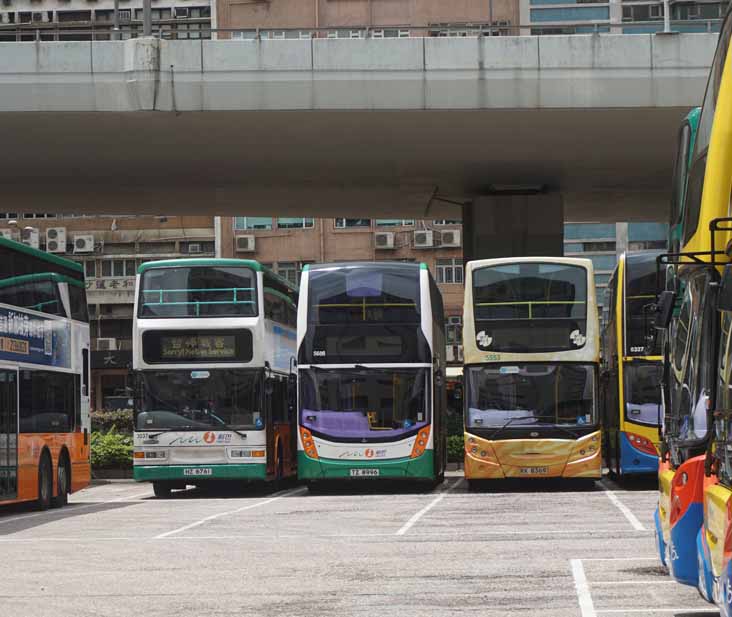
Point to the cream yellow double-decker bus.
(532, 352)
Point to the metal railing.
(200, 28)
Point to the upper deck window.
(530, 307)
(198, 291)
(364, 295)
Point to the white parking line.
(408, 525)
(74, 507)
(693, 611)
(587, 608)
(620, 558)
(229, 512)
(637, 525)
(663, 582)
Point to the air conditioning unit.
(181, 13)
(194, 247)
(106, 344)
(450, 238)
(31, 237)
(245, 244)
(125, 15)
(84, 244)
(424, 239)
(56, 239)
(384, 240)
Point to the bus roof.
(360, 264)
(573, 261)
(214, 261)
(42, 276)
(39, 254)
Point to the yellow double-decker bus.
(631, 368)
(532, 352)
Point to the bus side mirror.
(665, 309)
(724, 297)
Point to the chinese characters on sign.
(113, 284)
(31, 338)
(199, 347)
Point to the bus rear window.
(198, 291)
(530, 307)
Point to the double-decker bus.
(532, 352)
(213, 348)
(632, 368)
(371, 373)
(684, 151)
(44, 377)
(694, 499)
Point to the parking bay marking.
(289, 493)
(632, 519)
(408, 525)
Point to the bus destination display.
(197, 347)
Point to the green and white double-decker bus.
(213, 347)
(371, 373)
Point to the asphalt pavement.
(545, 550)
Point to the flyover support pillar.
(513, 225)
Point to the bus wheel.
(474, 485)
(162, 490)
(45, 483)
(62, 483)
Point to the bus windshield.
(640, 290)
(643, 392)
(530, 307)
(364, 403)
(201, 399)
(198, 291)
(530, 394)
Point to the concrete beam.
(578, 71)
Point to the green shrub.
(120, 420)
(455, 448)
(111, 449)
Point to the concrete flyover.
(345, 127)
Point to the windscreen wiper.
(227, 427)
(507, 424)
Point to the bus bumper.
(634, 461)
(421, 467)
(682, 559)
(197, 473)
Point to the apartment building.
(110, 248)
(298, 18)
(86, 19)
(287, 244)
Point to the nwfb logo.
(484, 340)
(577, 338)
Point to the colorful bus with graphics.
(632, 367)
(694, 489)
(44, 377)
(213, 354)
(532, 353)
(371, 373)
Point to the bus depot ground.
(544, 549)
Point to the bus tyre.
(474, 485)
(162, 490)
(62, 484)
(45, 483)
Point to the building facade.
(618, 16)
(94, 19)
(111, 248)
(339, 19)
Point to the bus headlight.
(151, 454)
(308, 443)
(240, 453)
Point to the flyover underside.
(608, 164)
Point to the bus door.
(8, 434)
(269, 423)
